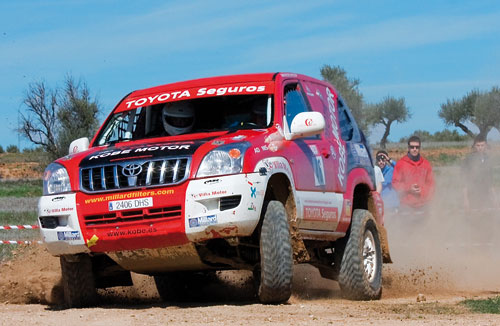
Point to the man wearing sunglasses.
(413, 177)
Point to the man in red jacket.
(413, 177)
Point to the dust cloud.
(446, 250)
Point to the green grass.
(16, 218)
(485, 306)
(23, 157)
(21, 188)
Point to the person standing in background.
(413, 178)
(389, 194)
(478, 190)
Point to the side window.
(294, 102)
(121, 127)
(345, 122)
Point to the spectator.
(389, 194)
(379, 178)
(413, 178)
(479, 191)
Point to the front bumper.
(195, 211)
(59, 226)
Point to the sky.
(424, 51)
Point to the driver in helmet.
(178, 118)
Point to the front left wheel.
(360, 276)
(78, 281)
(276, 259)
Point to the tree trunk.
(465, 129)
(383, 141)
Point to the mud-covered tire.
(360, 276)
(78, 281)
(276, 260)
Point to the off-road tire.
(360, 276)
(276, 259)
(78, 281)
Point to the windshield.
(190, 116)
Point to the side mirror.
(79, 145)
(306, 124)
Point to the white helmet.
(178, 118)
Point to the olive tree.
(481, 109)
(387, 112)
(348, 89)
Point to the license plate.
(120, 205)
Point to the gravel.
(16, 204)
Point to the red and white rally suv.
(255, 172)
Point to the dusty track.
(447, 255)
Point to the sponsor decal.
(202, 221)
(253, 192)
(316, 213)
(212, 181)
(240, 137)
(273, 147)
(308, 122)
(275, 165)
(68, 235)
(334, 153)
(144, 149)
(252, 207)
(193, 93)
(58, 210)
(218, 142)
(234, 89)
(130, 195)
(261, 148)
(140, 231)
(59, 198)
(209, 194)
(92, 241)
(335, 130)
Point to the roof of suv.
(209, 81)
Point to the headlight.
(55, 180)
(227, 159)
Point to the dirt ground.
(438, 264)
(440, 258)
(20, 170)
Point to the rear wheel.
(276, 260)
(360, 276)
(78, 281)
